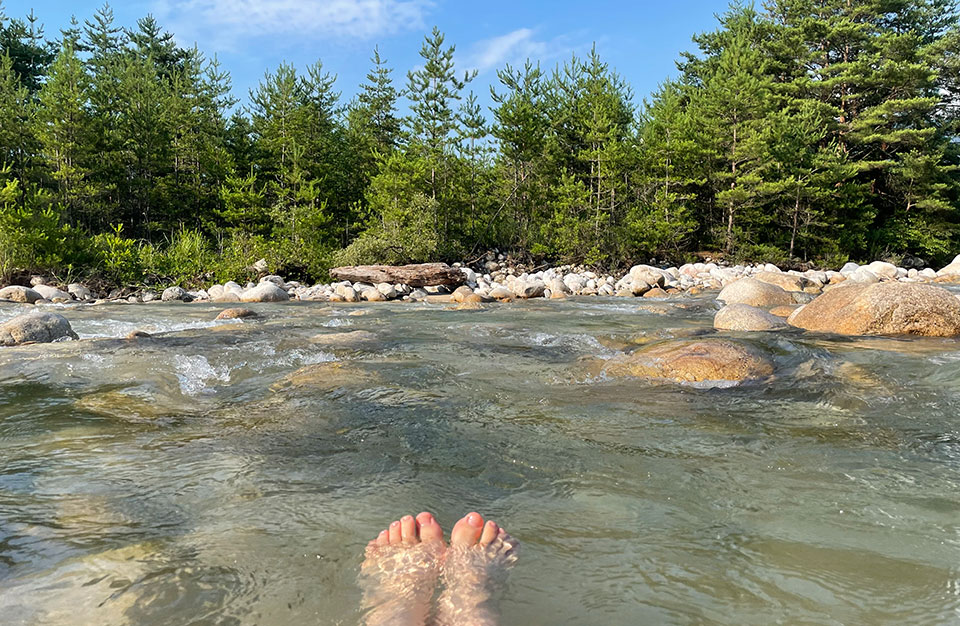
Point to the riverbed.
(231, 472)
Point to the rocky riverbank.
(493, 280)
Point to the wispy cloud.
(516, 47)
(231, 20)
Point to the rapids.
(232, 472)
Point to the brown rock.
(18, 293)
(784, 310)
(349, 339)
(787, 282)
(439, 298)
(419, 275)
(473, 298)
(236, 313)
(888, 308)
(460, 293)
(755, 293)
(746, 318)
(656, 292)
(694, 361)
(326, 376)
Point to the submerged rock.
(17, 293)
(747, 318)
(882, 309)
(328, 376)
(236, 313)
(694, 361)
(350, 339)
(755, 293)
(35, 327)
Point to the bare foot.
(474, 569)
(400, 571)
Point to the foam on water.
(195, 372)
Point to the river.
(232, 472)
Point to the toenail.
(474, 519)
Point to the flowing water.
(232, 472)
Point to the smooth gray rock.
(173, 294)
(35, 327)
(52, 293)
(746, 318)
(265, 292)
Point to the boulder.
(787, 282)
(35, 327)
(265, 292)
(80, 292)
(372, 294)
(17, 293)
(226, 296)
(236, 313)
(656, 292)
(862, 275)
(755, 293)
(747, 318)
(528, 288)
(387, 290)
(882, 269)
(52, 293)
(694, 361)
(890, 308)
(174, 294)
(460, 293)
(784, 310)
(501, 293)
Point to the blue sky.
(641, 40)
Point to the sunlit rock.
(744, 317)
(882, 309)
(18, 293)
(755, 293)
(720, 361)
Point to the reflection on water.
(231, 472)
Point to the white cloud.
(231, 20)
(514, 48)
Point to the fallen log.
(417, 275)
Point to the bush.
(118, 258)
(407, 236)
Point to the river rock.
(387, 290)
(890, 308)
(656, 292)
(265, 292)
(694, 361)
(787, 282)
(325, 376)
(528, 288)
(501, 293)
(78, 291)
(227, 296)
(372, 294)
(18, 293)
(953, 269)
(35, 327)
(52, 293)
(882, 269)
(174, 294)
(652, 276)
(784, 310)
(417, 275)
(460, 293)
(862, 275)
(349, 339)
(755, 293)
(746, 318)
(236, 313)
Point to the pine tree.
(63, 127)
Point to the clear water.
(183, 480)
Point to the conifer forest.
(800, 132)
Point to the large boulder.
(747, 318)
(52, 293)
(890, 308)
(652, 276)
(265, 292)
(17, 293)
(953, 269)
(755, 293)
(787, 282)
(694, 361)
(35, 327)
(175, 294)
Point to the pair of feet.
(406, 561)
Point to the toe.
(429, 527)
(383, 538)
(490, 532)
(408, 530)
(467, 531)
(394, 532)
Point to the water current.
(232, 472)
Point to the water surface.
(231, 472)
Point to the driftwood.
(420, 275)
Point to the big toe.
(467, 531)
(429, 528)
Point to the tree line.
(806, 131)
